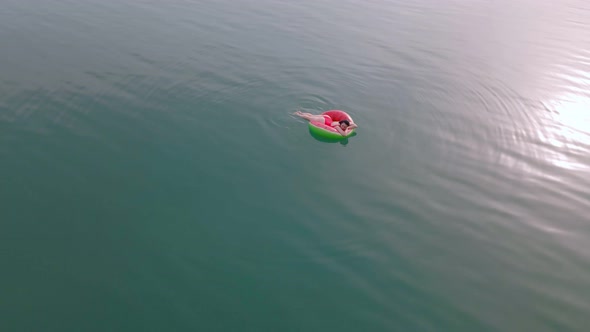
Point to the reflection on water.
(567, 130)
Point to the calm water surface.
(152, 177)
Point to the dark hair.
(344, 121)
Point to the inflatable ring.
(321, 129)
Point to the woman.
(343, 127)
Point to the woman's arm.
(342, 132)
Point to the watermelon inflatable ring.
(326, 131)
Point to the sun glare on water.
(568, 131)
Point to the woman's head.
(344, 124)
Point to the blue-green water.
(152, 177)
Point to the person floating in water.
(343, 127)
